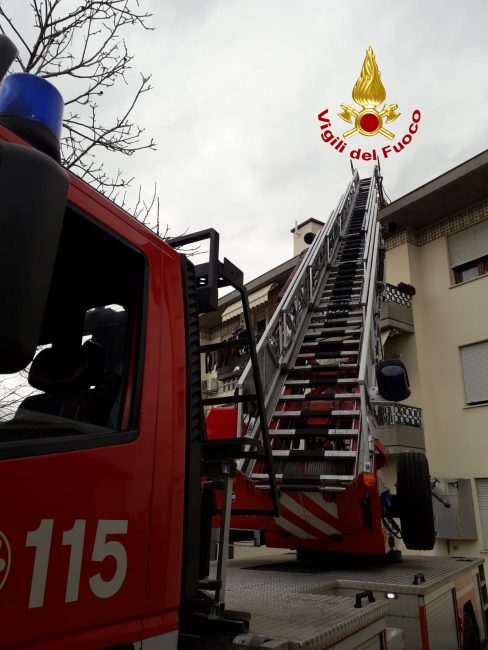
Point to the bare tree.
(82, 45)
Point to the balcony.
(396, 311)
(400, 428)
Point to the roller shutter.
(482, 490)
(474, 359)
(468, 244)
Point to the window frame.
(78, 441)
(468, 404)
(481, 265)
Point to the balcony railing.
(394, 294)
(396, 311)
(410, 416)
(400, 427)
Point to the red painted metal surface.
(221, 422)
(141, 483)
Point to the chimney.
(304, 234)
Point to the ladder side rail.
(369, 203)
(367, 358)
(370, 216)
(370, 333)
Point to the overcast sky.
(239, 85)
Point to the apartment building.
(435, 319)
(436, 240)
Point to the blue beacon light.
(32, 107)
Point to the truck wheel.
(415, 502)
(471, 635)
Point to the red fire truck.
(110, 483)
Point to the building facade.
(436, 240)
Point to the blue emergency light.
(33, 108)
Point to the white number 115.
(75, 539)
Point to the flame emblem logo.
(5, 558)
(369, 93)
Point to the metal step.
(320, 329)
(316, 414)
(314, 454)
(328, 355)
(338, 284)
(340, 304)
(318, 397)
(321, 477)
(311, 433)
(338, 321)
(331, 344)
(332, 302)
(324, 368)
(319, 381)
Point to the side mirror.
(392, 380)
(33, 192)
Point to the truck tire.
(415, 502)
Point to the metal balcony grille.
(387, 414)
(393, 294)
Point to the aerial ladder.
(321, 368)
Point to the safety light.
(369, 479)
(33, 108)
(391, 595)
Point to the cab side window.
(83, 376)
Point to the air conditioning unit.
(210, 385)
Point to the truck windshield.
(79, 379)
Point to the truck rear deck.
(300, 605)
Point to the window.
(80, 380)
(482, 491)
(474, 360)
(468, 252)
(260, 327)
(471, 270)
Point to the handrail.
(369, 349)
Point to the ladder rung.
(337, 322)
(344, 433)
(317, 397)
(319, 381)
(348, 313)
(331, 343)
(230, 399)
(316, 414)
(352, 299)
(330, 330)
(324, 368)
(334, 355)
(297, 454)
(292, 487)
(322, 477)
(312, 432)
(337, 283)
